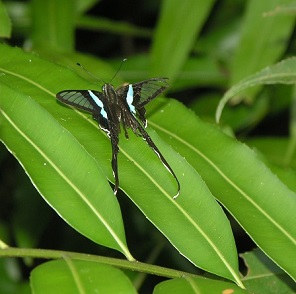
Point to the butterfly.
(124, 107)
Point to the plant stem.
(124, 264)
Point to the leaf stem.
(123, 264)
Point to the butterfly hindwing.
(135, 97)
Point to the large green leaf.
(236, 176)
(53, 29)
(5, 23)
(176, 33)
(194, 223)
(264, 274)
(64, 174)
(263, 37)
(193, 285)
(76, 276)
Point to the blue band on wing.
(99, 103)
(130, 99)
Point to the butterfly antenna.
(90, 73)
(123, 60)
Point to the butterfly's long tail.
(149, 141)
(115, 150)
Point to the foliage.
(244, 49)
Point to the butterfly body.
(122, 107)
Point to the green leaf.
(5, 23)
(258, 200)
(192, 285)
(275, 149)
(115, 27)
(194, 216)
(53, 29)
(75, 276)
(83, 6)
(280, 73)
(176, 33)
(261, 47)
(272, 152)
(285, 9)
(264, 274)
(64, 175)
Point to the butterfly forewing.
(147, 90)
(76, 98)
(90, 101)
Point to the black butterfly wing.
(77, 98)
(87, 100)
(137, 95)
(147, 90)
